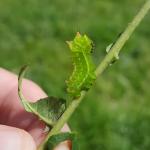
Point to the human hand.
(20, 130)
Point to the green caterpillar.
(83, 74)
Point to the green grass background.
(115, 114)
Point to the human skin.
(20, 130)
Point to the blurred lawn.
(115, 115)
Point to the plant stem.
(123, 38)
(64, 118)
(101, 67)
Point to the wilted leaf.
(48, 109)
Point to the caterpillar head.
(81, 43)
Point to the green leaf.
(54, 140)
(108, 48)
(83, 75)
(48, 109)
(116, 55)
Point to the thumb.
(15, 139)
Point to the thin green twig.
(123, 38)
(101, 67)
